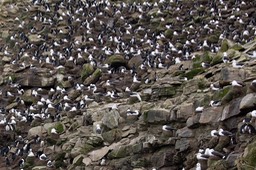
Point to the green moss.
(221, 93)
(168, 33)
(141, 162)
(116, 59)
(206, 57)
(112, 135)
(218, 165)
(238, 47)
(197, 19)
(249, 161)
(192, 73)
(213, 39)
(119, 152)
(216, 60)
(94, 77)
(95, 141)
(224, 46)
(86, 71)
(233, 93)
(51, 141)
(28, 99)
(59, 127)
(201, 84)
(86, 148)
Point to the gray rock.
(211, 115)
(156, 116)
(229, 74)
(98, 154)
(231, 110)
(182, 144)
(38, 78)
(111, 119)
(248, 101)
(163, 158)
(182, 112)
(184, 133)
(38, 130)
(78, 160)
(193, 121)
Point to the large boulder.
(111, 119)
(116, 61)
(92, 79)
(156, 116)
(210, 115)
(87, 70)
(231, 109)
(248, 101)
(36, 78)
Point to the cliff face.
(127, 85)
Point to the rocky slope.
(92, 84)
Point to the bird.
(200, 156)
(224, 132)
(199, 109)
(30, 153)
(136, 94)
(53, 131)
(129, 112)
(205, 65)
(98, 129)
(198, 166)
(43, 157)
(247, 127)
(252, 113)
(212, 152)
(237, 65)
(215, 103)
(234, 83)
(215, 133)
(167, 128)
(214, 87)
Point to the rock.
(92, 79)
(78, 160)
(98, 154)
(111, 119)
(182, 112)
(156, 116)
(128, 132)
(6, 59)
(38, 130)
(248, 101)
(40, 78)
(87, 161)
(87, 70)
(163, 158)
(12, 105)
(193, 121)
(135, 61)
(191, 86)
(34, 38)
(248, 157)
(231, 109)
(228, 74)
(163, 91)
(218, 165)
(211, 115)
(182, 144)
(184, 133)
(40, 168)
(112, 135)
(116, 61)
(119, 152)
